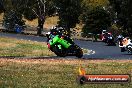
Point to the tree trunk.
(41, 21)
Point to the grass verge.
(14, 47)
(51, 73)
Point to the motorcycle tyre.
(129, 50)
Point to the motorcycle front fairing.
(59, 40)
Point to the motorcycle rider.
(59, 43)
(61, 32)
(125, 43)
(58, 31)
(50, 35)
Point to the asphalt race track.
(98, 50)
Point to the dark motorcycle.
(110, 41)
(63, 46)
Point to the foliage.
(94, 3)
(11, 19)
(95, 16)
(12, 14)
(30, 10)
(29, 14)
(123, 14)
(1, 6)
(68, 11)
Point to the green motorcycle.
(63, 47)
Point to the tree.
(95, 17)
(68, 11)
(30, 10)
(123, 14)
(39, 9)
(1, 6)
(36, 9)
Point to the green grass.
(14, 47)
(31, 73)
